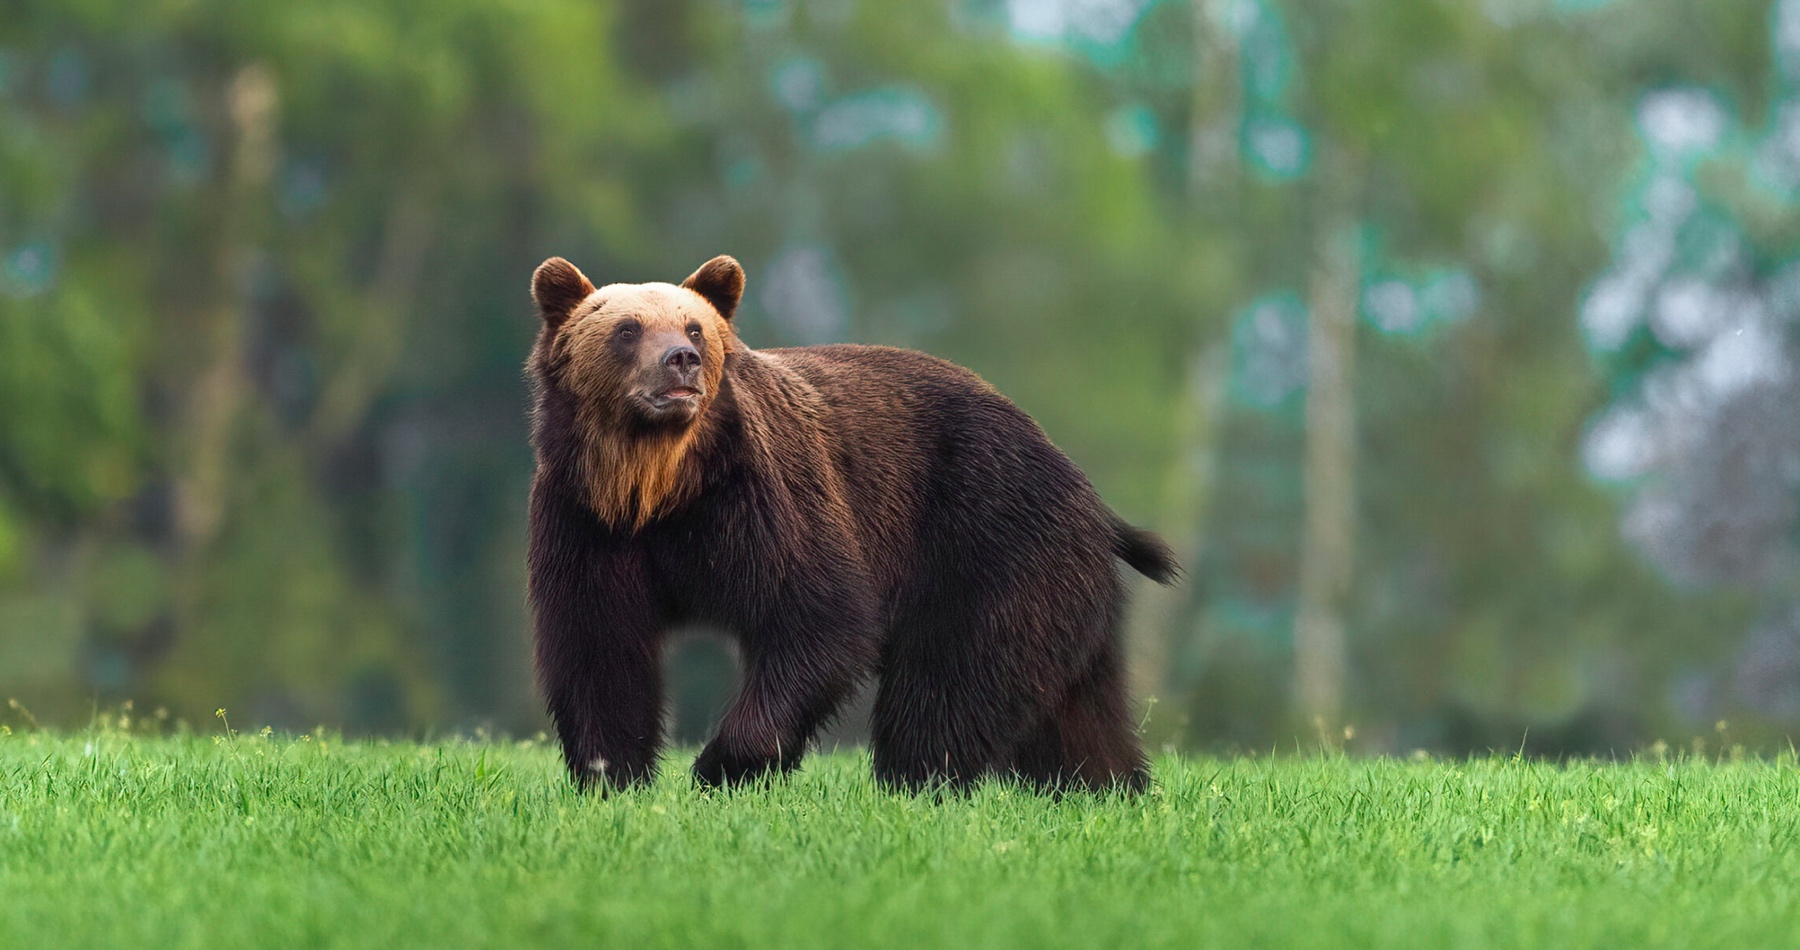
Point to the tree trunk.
(1165, 617)
(1328, 547)
(216, 397)
(381, 333)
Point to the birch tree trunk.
(1328, 546)
(215, 400)
(1164, 616)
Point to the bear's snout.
(672, 384)
(676, 375)
(683, 359)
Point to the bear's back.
(862, 377)
(925, 447)
(885, 403)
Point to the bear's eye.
(627, 331)
(694, 333)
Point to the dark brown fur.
(844, 511)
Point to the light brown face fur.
(616, 343)
(642, 362)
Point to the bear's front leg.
(598, 645)
(799, 667)
(607, 706)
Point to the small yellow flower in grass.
(267, 731)
(219, 712)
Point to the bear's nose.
(681, 358)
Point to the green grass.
(113, 840)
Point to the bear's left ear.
(557, 286)
(721, 282)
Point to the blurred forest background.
(1452, 342)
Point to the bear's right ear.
(557, 286)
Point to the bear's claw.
(716, 766)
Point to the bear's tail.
(1147, 554)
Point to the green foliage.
(109, 838)
(71, 440)
(240, 240)
(268, 371)
(262, 312)
(1494, 597)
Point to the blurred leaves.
(261, 415)
(71, 440)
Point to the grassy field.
(107, 839)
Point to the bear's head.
(639, 356)
(638, 365)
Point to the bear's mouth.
(674, 395)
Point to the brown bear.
(843, 511)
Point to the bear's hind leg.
(927, 734)
(945, 713)
(1090, 741)
(1038, 761)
